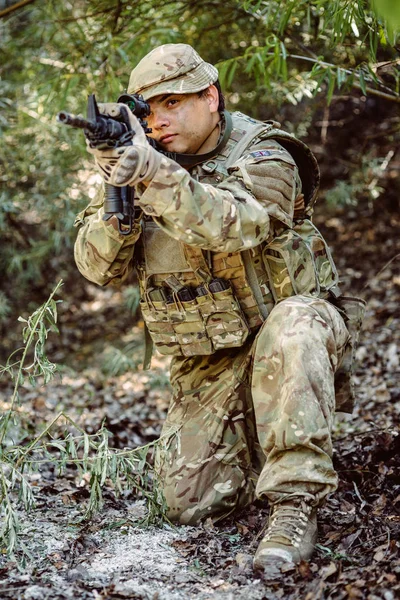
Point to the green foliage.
(159, 379)
(34, 334)
(389, 10)
(344, 193)
(90, 455)
(333, 43)
(5, 308)
(115, 361)
(364, 182)
(93, 459)
(131, 297)
(53, 54)
(326, 552)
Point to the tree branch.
(14, 7)
(325, 65)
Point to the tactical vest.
(195, 302)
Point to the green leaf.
(86, 447)
(331, 86)
(389, 10)
(58, 445)
(341, 77)
(362, 82)
(104, 472)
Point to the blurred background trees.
(328, 70)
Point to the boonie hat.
(171, 69)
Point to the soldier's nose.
(159, 121)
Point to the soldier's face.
(183, 122)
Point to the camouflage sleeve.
(102, 254)
(238, 213)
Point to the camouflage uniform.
(254, 381)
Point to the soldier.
(240, 288)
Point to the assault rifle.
(103, 132)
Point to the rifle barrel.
(76, 121)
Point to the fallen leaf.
(326, 572)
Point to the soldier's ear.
(212, 96)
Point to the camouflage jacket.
(215, 248)
(240, 217)
(227, 216)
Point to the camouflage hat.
(171, 69)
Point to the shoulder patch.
(260, 153)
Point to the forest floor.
(112, 556)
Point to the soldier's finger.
(113, 109)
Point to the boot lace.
(288, 522)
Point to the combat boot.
(291, 535)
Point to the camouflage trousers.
(256, 420)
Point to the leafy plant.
(363, 182)
(90, 455)
(328, 553)
(5, 308)
(34, 334)
(389, 10)
(55, 53)
(116, 361)
(131, 297)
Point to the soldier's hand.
(126, 165)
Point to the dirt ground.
(112, 556)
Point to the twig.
(362, 433)
(325, 65)
(12, 589)
(117, 453)
(363, 502)
(82, 17)
(14, 7)
(44, 432)
(383, 133)
(382, 168)
(28, 343)
(381, 271)
(325, 125)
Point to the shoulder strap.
(247, 131)
(305, 161)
